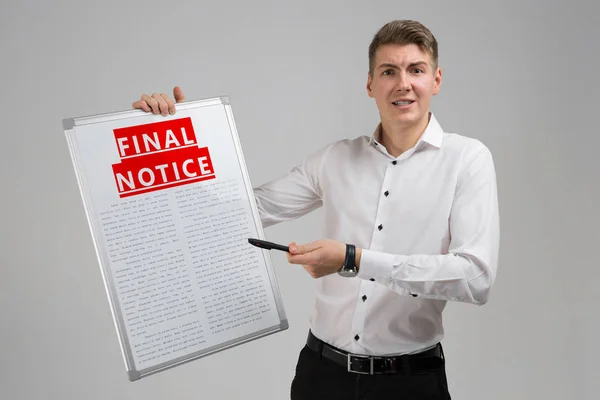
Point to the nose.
(402, 83)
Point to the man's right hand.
(159, 103)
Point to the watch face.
(348, 273)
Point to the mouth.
(403, 103)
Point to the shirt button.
(364, 298)
(394, 162)
(356, 338)
(380, 227)
(386, 193)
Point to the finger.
(169, 102)
(303, 259)
(178, 94)
(141, 104)
(162, 104)
(152, 103)
(307, 248)
(293, 247)
(314, 273)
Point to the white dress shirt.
(427, 222)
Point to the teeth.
(402, 103)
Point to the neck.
(399, 138)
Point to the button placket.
(363, 296)
(381, 207)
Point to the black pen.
(263, 244)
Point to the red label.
(159, 156)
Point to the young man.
(411, 214)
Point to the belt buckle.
(351, 356)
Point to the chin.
(408, 118)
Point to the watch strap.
(350, 260)
(349, 268)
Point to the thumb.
(178, 94)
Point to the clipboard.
(170, 206)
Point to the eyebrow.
(390, 65)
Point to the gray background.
(521, 76)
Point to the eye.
(418, 70)
(388, 72)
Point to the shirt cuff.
(377, 265)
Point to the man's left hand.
(320, 258)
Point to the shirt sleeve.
(293, 195)
(467, 272)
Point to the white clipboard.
(170, 207)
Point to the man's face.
(402, 84)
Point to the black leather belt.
(371, 365)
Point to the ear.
(437, 81)
(369, 83)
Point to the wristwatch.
(349, 269)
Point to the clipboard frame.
(69, 126)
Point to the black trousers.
(318, 378)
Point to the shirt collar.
(433, 134)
